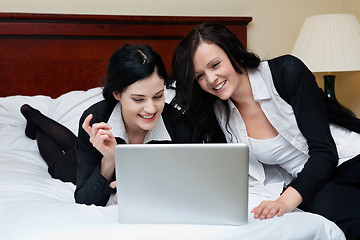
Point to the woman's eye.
(200, 76)
(158, 96)
(137, 99)
(215, 65)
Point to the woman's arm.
(296, 85)
(104, 141)
(92, 187)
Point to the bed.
(55, 63)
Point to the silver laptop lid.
(182, 183)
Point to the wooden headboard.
(51, 54)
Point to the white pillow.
(66, 109)
(12, 122)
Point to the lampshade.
(329, 43)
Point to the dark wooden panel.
(51, 54)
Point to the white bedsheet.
(35, 206)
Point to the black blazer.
(91, 186)
(313, 111)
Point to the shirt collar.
(220, 110)
(259, 89)
(258, 85)
(158, 133)
(231, 105)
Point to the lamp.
(330, 43)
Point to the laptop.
(182, 183)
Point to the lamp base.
(329, 89)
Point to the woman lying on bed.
(277, 109)
(133, 112)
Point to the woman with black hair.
(134, 111)
(277, 109)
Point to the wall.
(272, 32)
(348, 84)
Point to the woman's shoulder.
(286, 64)
(170, 109)
(288, 73)
(100, 110)
(176, 124)
(285, 59)
(171, 115)
(181, 128)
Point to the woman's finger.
(102, 137)
(115, 198)
(97, 126)
(113, 184)
(86, 124)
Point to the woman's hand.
(268, 209)
(287, 202)
(100, 137)
(113, 185)
(104, 141)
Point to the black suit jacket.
(313, 111)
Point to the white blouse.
(278, 150)
(280, 114)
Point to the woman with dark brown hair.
(277, 109)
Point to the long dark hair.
(130, 64)
(189, 96)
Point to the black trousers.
(339, 199)
(64, 167)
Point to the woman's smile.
(148, 118)
(220, 86)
